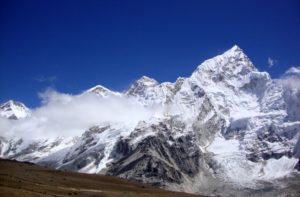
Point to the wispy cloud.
(42, 79)
(272, 62)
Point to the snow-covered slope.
(228, 130)
(14, 110)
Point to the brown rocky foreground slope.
(26, 179)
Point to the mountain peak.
(235, 51)
(233, 64)
(101, 91)
(236, 48)
(14, 110)
(147, 81)
(98, 88)
(140, 85)
(11, 103)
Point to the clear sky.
(74, 45)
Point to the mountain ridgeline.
(227, 130)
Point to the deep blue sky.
(74, 45)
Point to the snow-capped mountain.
(102, 91)
(228, 130)
(14, 110)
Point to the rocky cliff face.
(227, 130)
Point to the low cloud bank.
(69, 115)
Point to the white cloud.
(294, 70)
(291, 82)
(291, 78)
(272, 62)
(70, 115)
(42, 79)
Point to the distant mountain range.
(227, 130)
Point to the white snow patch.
(221, 146)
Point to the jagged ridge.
(226, 126)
